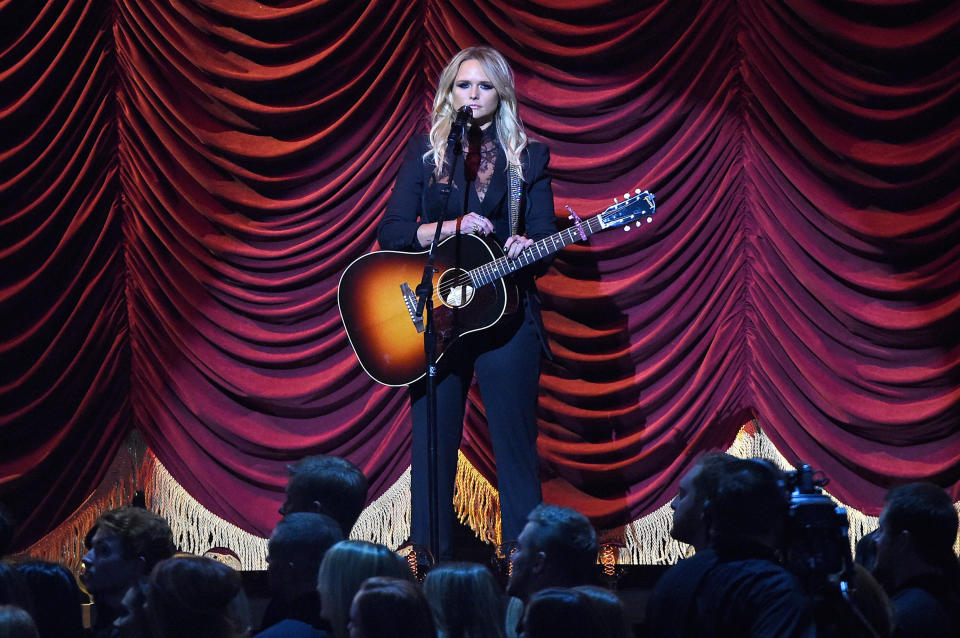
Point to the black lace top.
(479, 158)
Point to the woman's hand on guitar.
(515, 245)
(476, 224)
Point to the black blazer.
(416, 200)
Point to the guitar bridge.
(410, 300)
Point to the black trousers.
(506, 359)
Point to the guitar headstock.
(638, 208)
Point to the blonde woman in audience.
(344, 568)
(466, 601)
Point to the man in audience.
(326, 485)
(696, 488)
(915, 561)
(126, 544)
(557, 548)
(735, 586)
(295, 550)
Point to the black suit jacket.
(416, 200)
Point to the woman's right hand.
(470, 224)
(475, 223)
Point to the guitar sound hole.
(454, 288)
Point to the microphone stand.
(425, 305)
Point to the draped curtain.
(182, 182)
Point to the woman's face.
(473, 88)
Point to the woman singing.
(506, 357)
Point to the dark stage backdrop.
(182, 182)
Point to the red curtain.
(183, 181)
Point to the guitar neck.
(500, 268)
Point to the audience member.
(13, 589)
(466, 601)
(16, 623)
(296, 549)
(858, 609)
(557, 548)
(915, 560)
(387, 607)
(56, 598)
(555, 612)
(608, 611)
(735, 586)
(866, 551)
(343, 569)
(190, 596)
(326, 485)
(126, 545)
(132, 621)
(696, 488)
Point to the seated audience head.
(387, 607)
(295, 550)
(559, 613)
(132, 621)
(696, 488)
(344, 568)
(866, 551)
(195, 596)
(326, 485)
(557, 548)
(13, 589)
(16, 623)
(749, 504)
(126, 545)
(56, 598)
(466, 601)
(608, 611)
(916, 534)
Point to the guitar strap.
(515, 186)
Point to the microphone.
(464, 116)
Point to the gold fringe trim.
(195, 528)
(645, 540)
(64, 544)
(387, 519)
(476, 501)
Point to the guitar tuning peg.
(615, 201)
(626, 195)
(626, 228)
(638, 224)
(637, 191)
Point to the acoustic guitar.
(471, 291)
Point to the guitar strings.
(462, 280)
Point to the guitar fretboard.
(500, 268)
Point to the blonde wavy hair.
(510, 131)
